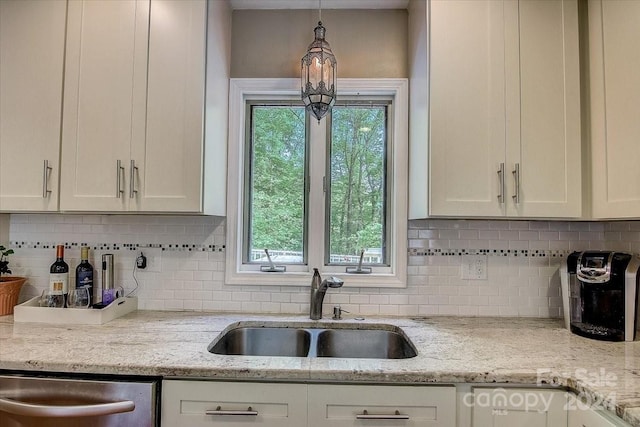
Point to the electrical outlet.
(474, 267)
(141, 261)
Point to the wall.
(262, 38)
(4, 228)
(186, 257)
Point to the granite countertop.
(450, 350)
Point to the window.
(317, 194)
(275, 199)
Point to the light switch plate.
(474, 267)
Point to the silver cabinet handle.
(395, 416)
(132, 183)
(119, 179)
(45, 179)
(516, 177)
(501, 183)
(220, 411)
(64, 411)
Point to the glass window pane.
(276, 191)
(357, 202)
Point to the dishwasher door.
(43, 402)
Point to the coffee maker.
(600, 295)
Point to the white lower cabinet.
(499, 407)
(214, 403)
(196, 403)
(360, 405)
(210, 403)
(587, 417)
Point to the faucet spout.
(318, 290)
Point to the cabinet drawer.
(361, 405)
(210, 403)
(519, 407)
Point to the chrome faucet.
(318, 290)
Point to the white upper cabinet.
(104, 103)
(614, 32)
(504, 110)
(467, 108)
(31, 66)
(134, 110)
(170, 167)
(543, 110)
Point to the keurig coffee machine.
(600, 295)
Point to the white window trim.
(241, 90)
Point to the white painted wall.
(4, 229)
(366, 43)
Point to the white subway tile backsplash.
(186, 264)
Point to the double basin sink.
(349, 341)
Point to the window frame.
(353, 101)
(256, 90)
(248, 175)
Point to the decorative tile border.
(526, 253)
(120, 246)
(187, 247)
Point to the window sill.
(373, 280)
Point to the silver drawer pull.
(501, 183)
(516, 177)
(119, 178)
(45, 179)
(64, 411)
(220, 411)
(133, 171)
(396, 416)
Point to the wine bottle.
(84, 273)
(59, 275)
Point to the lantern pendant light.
(318, 74)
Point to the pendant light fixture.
(318, 73)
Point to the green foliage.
(4, 262)
(357, 179)
(277, 174)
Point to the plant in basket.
(9, 285)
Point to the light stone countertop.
(450, 350)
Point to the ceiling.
(313, 4)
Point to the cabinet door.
(615, 107)
(587, 417)
(203, 403)
(467, 108)
(519, 407)
(357, 405)
(31, 63)
(543, 109)
(169, 164)
(104, 102)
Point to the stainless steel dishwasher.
(53, 401)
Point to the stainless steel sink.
(269, 341)
(364, 341)
(368, 344)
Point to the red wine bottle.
(59, 275)
(84, 273)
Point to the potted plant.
(9, 285)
